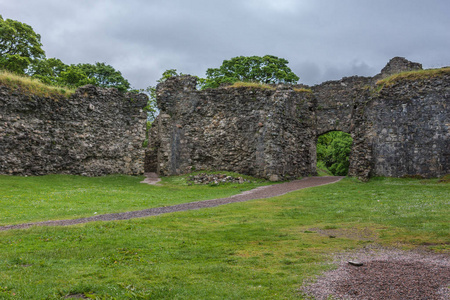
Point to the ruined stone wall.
(340, 107)
(248, 130)
(411, 128)
(94, 132)
(397, 131)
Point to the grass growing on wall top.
(259, 85)
(302, 90)
(251, 85)
(31, 86)
(413, 75)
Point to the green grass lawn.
(26, 199)
(261, 249)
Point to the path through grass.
(27, 199)
(261, 249)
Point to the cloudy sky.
(321, 39)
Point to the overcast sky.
(321, 39)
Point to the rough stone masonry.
(94, 132)
(397, 130)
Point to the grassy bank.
(261, 249)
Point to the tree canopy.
(20, 45)
(105, 75)
(21, 52)
(268, 69)
(54, 72)
(150, 91)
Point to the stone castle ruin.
(398, 129)
(94, 132)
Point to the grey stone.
(402, 130)
(95, 132)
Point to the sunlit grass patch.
(413, 75)
(257, 85)
(31, 86)
(302, 90)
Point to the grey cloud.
(322, 39)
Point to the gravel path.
(384, 274)
(258, 193)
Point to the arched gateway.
(398, 128)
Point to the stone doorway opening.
(333, 152)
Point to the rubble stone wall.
(94, 132)
(248, 130)
(400, 130)
(411, 128)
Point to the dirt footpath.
(258, 193)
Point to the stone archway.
(342, 106)
(270, 132)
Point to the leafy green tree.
(268, 69)
(48, 70)
(105, 76)
(167, 74)
(75, 77)
(14, 63)
(21, 52)
(19, 46)
(53, 71)
(151, 108)
(333, 150)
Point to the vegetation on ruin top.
(257, 85)
(31, 86)
(267, 69)
(413, 75)
(302, 90)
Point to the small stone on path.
(355, 263)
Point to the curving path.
(258, 193)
